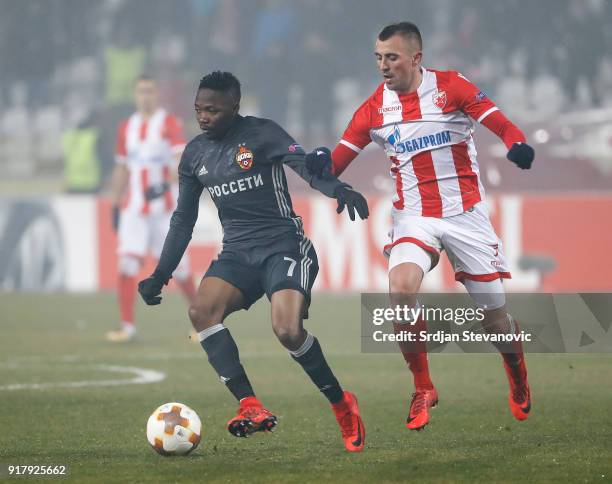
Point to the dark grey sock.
(311, 358)
(223, 356)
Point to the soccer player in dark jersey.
(239, 160)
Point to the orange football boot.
(519, 399)
(422, 401)
(351, 424)
(251, 417)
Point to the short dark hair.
(406, 29)
(221, 81)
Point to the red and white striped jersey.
(427, 135)
(148, 148)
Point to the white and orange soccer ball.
(174, 429)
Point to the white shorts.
(472, 246)
(141, 234)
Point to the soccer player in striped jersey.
(239, 161)
(143, 195)
(422, 119)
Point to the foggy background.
(67, 69)
(307, 64)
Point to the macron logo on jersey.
(417, 144)
(235, 186)
(398, 108)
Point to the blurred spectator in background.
(223, 44)
(316, 47)
(28, 48)
(124, 59)
(582, 35)
(274, 30)
(82, 168)
(16, 135)
(169, 52)
(149, 145)
(57, 56)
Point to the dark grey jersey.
(243, 172)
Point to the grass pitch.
(99, 431)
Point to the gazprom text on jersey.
(423, 142)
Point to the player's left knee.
(205, 315)
(289, 332)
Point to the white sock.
(306, 345)
(210, 331)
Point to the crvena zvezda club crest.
(244, 158)
(439, 99)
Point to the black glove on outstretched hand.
(521, 154)
(319, 161)
(115, 217)
(353, 200)
(150, 289)
(156, 191)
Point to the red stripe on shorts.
(412, 240)
(459, 276)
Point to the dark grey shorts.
(266, 270)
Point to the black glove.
(150, 289)
(521, 154)
(156, 191)
(115, 217)
(319, 161)
(353, 201)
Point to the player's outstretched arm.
(519, 152)
(315, 168)
(282, 148)
(472, 101)
(178, 237)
